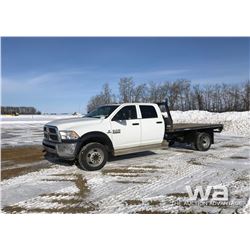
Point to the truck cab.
(110, 129)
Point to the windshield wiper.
(94, 116)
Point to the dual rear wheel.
(202, 141)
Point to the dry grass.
(125, 171)
(239, 157)
(12, 157)
(243, 178)
(56, 180)
(21, 155)
(178, 195)
(136, 171)
(151, 212)
(55, 195)
(193, 161)
(126, 175)
(14, 172)
(184, 151)
(79, 181)
(154, 203)
(169, 212)
(82, 186)
(132, 182)
(71, 201)
(147, 167)
(75, 204)
(231, 146)
(132, 202)
(63, 210)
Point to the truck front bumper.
(64, 150)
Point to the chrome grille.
(51, 133)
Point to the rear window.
(148, 111)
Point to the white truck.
(119, 129)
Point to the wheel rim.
(205, 140)
(95, 157)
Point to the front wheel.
(203, 141)
(92, 156)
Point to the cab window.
(148, 111)
(126, 113)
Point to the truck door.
(152, 125)
(126, 128)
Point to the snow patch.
(235, 123)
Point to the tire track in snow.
(109, 196)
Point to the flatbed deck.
(179, 127)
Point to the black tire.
(92, 157)
(203, 141)
(171, 143)
(193, 145)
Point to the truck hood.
(72, 123)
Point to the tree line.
(8, 110)
(181, 95)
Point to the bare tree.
(181, 94)
(126, 89)
(140, 93)
(153, 92)
(198, 95)
(105, 97)
(173, 95)
(246, 96)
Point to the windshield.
(102, 111)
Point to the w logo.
(215, 193)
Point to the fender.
(95, 136)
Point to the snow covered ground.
(149, 182)
(25, 129)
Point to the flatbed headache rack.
(171, 127)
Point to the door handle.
(134, 124)
(159, 122)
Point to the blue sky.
(61, 74)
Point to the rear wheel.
(92, 156)
(193, 145)
(203, 141)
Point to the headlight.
(69, 135)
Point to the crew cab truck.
(119, 129)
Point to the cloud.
(159, 73)
(61, 84)
(151, 74)
(234, 79)
(55, 76)
(36, 80)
